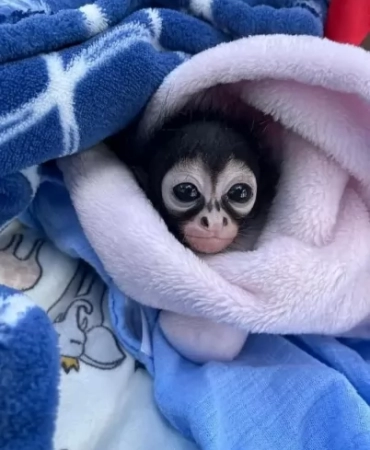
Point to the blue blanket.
(72, 74)
(110, 56)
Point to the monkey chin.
(208, 245)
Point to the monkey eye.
(186, 192)
(239, 193)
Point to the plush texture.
(54, 54)
(29, 374)
(311, 265)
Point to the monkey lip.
(209, 244)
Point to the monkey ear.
(141, 176)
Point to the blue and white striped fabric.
(71, 74)
(108, 58)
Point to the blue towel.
(72, 74)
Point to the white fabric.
(106, 402)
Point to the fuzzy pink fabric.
(311, 270)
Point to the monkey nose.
(204, 221)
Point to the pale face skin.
(208, 206)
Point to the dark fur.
(215, 140)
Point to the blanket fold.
(312, 262)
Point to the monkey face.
(203, 174)
(207, 208)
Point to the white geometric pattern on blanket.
(63, 81)
(202, 8)
(95, 19)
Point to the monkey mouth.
(208, 244)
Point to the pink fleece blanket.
(310, 272)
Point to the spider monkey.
(209, 178)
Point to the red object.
(348, 21)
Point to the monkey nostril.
(204, 222)
(225, 221)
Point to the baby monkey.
(210, 181)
